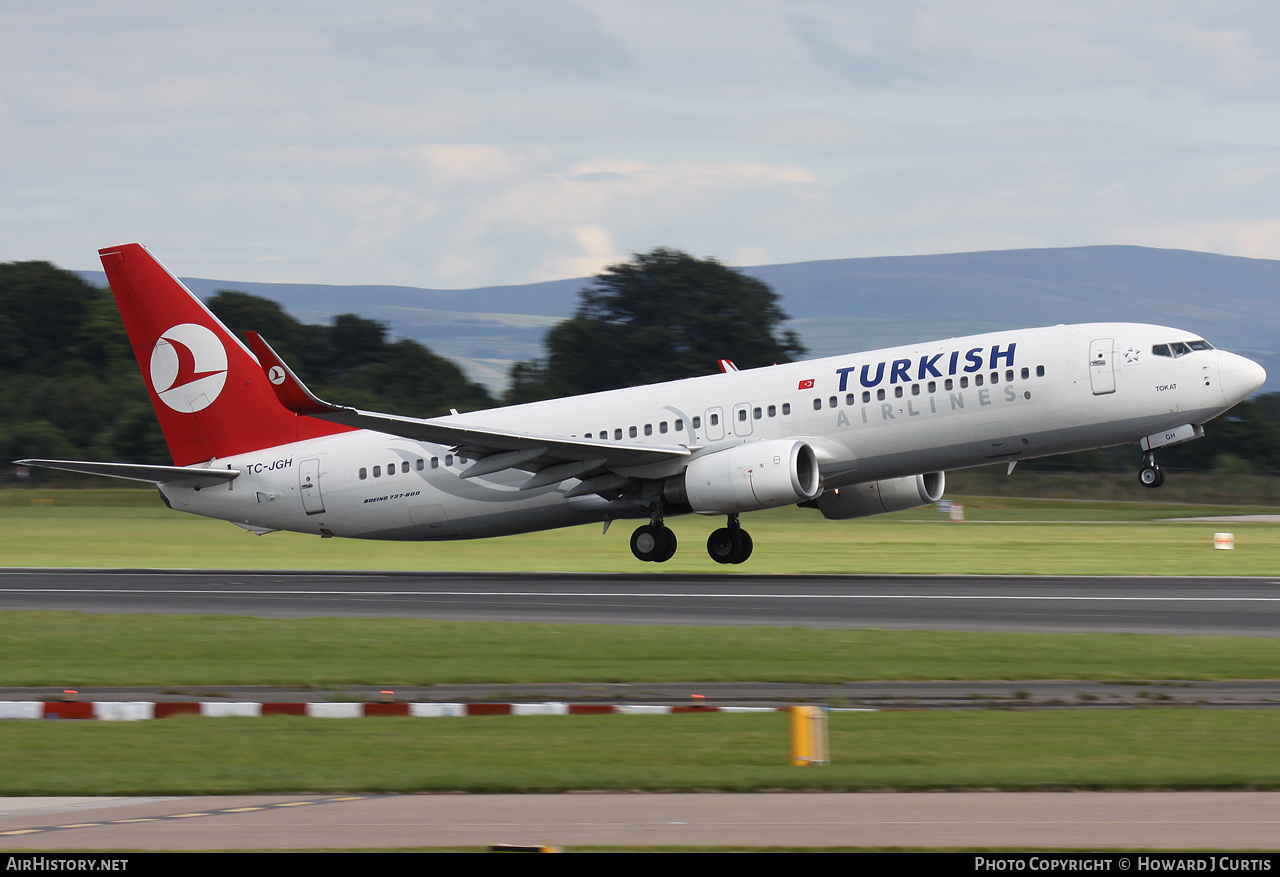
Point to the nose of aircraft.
(1238, 376)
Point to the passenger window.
(679, 425)
(786, 408)
(773, 410)
(933, 387)
(756, 413)
(832, 402)
(850, 399)
(648, 429)
(448, 459)
(1026, 372)
(1008, 375)
(391, 469)
(897, 392)
(632, 432)
(617, 434)
(947, 384)
(964, 382)
(697, 422)
(866, 395)
(377, 471)
(662, 427)
(364, 473)
(742, 415)
(995, 377)
(977, 380)
(421, 464)
(817, 404)
(880, 394)
(915, 389)
(435, 462)
(404, 467)
(1039, 371)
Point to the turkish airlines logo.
(188, 367)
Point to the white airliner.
(849, 436)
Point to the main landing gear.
(730, 544)
(1150, 475)
(654, 541)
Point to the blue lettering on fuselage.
(928, 366)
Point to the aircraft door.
(1102, 366)
(742, 419)
(309, 486)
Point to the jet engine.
(747, 478)
(878, 497)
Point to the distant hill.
(847, 305)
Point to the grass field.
(1001, 535)
(67, 649)
(1130, 749)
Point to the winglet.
(726, 366)
(291, 392)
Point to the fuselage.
(882, 414)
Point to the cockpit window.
(1180, 348)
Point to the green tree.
(662, 316)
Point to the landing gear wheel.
(669, 540)
(653, 543)
(1150, 475)
(722, 546)
(729, 545)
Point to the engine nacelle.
(878, 497)
(747, 478)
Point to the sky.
(463, 144)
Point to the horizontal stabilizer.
(178, 476)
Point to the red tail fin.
(208, 390)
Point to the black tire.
(648, 543)
(723, 545)
(744, 550)
(669, 546)
(1151, 476)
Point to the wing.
(179, 476)
(550, 458)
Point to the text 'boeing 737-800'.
(848, 436)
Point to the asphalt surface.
(1063, 604)
(1027, 820)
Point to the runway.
(1061, 604)
(1026, 820)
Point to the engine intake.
(879, 497)
(747, 478)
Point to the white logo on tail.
(188, 367)
(276, 375)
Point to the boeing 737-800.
(848, 436)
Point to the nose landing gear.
(1150, 475)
